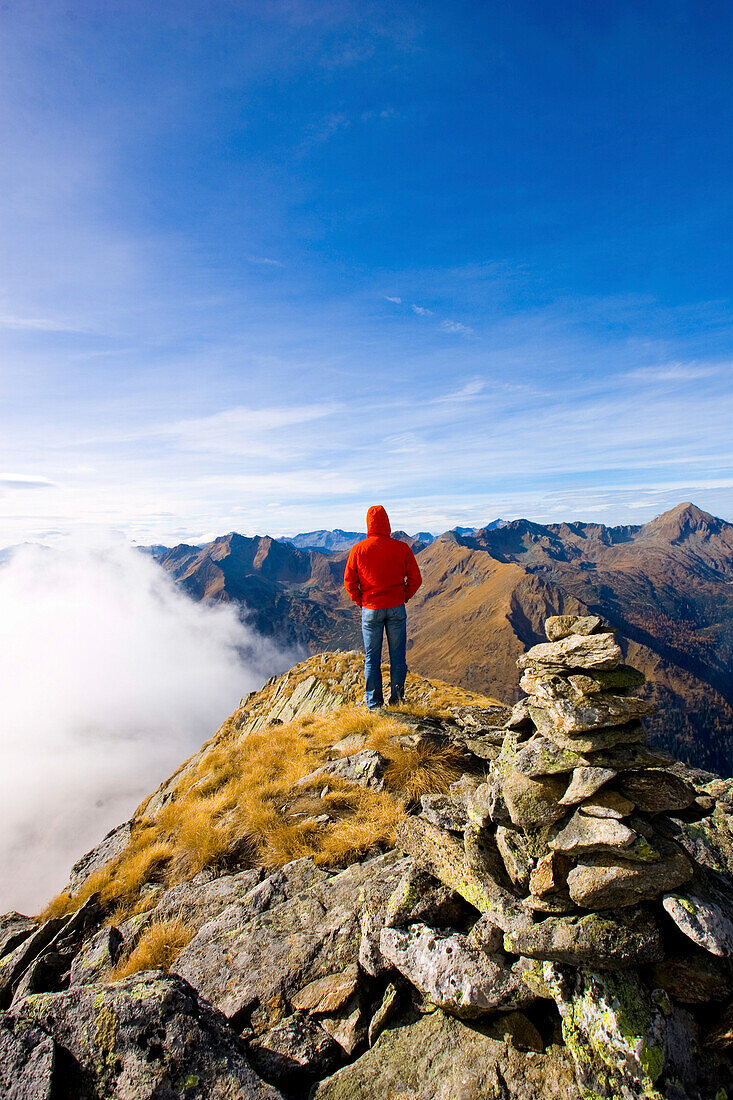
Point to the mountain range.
(665, 586)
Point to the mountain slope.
(666, 586)
(292, 595)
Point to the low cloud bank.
(109, 678)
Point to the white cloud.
(39, 324)
(421, 311)
(224, 426)
(397, 301)
(24, 481)
(677, 372)
(265, 260)
(109, 678)
(318, 133)
(457, 327)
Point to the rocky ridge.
(558, 923)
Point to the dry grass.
(238, 803)
(157, 948)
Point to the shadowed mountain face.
(666, 587)
(295, 596)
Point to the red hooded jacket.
(381, 571)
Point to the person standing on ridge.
(381, 576)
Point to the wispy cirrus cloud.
(457, 327)
(323, 129)
(39, 324)
(678, 372)
(446, 324)
(265, 261)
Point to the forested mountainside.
(665, 586)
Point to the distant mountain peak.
(682, 521)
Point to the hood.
(378, 521)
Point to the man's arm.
(351, 578)
(412, 572)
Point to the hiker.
(381, 576)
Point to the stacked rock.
(576, 791)
(567, 844)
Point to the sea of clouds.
(110, 676)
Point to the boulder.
(579, 686)
(486, 803)
(598, 712)
(27, 1062)
(349, 1025)
(294, 1053)
(589, 741)
(613, 1030)
(420, 897)
(613, 940)
(329, 993)
(585, 781)
(443, 811)
(386, 1010)
(607, 803)
(487, 935)
(481, 718)
(366, 767)
(583, 833)
(542, 756)
(14, 928)
(595, 651)
(558, 627)
(281, 886)
(17, 961)
(655, 790)
(533, 802)
(483, 856)
(709, 840)
(484, 747)
(46, 974)
(609, 882)
(515, 855)
(97, 956)
(146, 1037)
(623, 757)
(519, 718)
(550, 875)
(438, 1057)
(705, 915)
(453, 973)
(314, 933)
(444, 857)
(622, 678)
(202, 897)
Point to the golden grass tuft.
(157, 948)
(239, 804)
(423, 770)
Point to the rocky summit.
(551, 915)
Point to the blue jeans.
(374, 621)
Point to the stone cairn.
(567, 843)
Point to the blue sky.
(263, 264)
